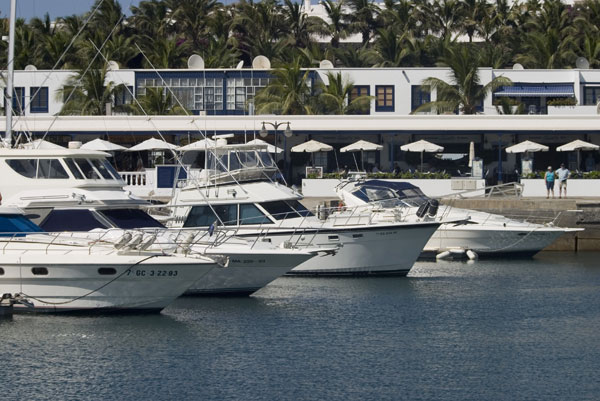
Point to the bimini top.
(378, 190)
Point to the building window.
(18, 100)
(124, 97)
(358, 91)
(385, 98)
(591, 95)
(241, 91)
(419, 95)
(39, 99)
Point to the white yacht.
(78, 190)
(489, 235)
(57, 273)
(235, 190)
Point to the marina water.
(490, 330)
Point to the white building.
(219, 99)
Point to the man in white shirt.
(561, 175)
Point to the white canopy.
(270, 148)
(577, 144)
(198, 145)
(360, 146)
(41, 144)
(422, 146)
(102, 145)
(152, 144)
(311, 147)
(527, 146)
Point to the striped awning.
(536, 90)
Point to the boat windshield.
(38, 168)
(16, 224)
(130, 218)
(286, 209)
(72, 220)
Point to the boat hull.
(365, 250)
(247, 272)
(494, 242)
(147, 286)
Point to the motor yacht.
(486, 234)
(52, 272)
(78, 190)
(238, 189)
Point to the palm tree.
(392, 49)
(158, 101)
(88, 94)
(508, 106)
(192, 18)
(165, 53)
(364, 18)
(465, 91)
(350, 56)
(288, 93)
(335, 97)
(337, 26)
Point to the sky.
(56, 8)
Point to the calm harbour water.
(450, 331)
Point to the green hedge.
(590, 175)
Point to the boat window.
(248, 159)
(25, 167)
(102, 169)
(111, 169)
(73, 169)
(16, 223)
(375, 194)
(87, 169)
(71, 220)
(51, 168)
(39, 271)
(266, 159)
(234, 162)
(250, 214)
(280, 210)
(1, 271)
(299, 207)
(130, 218)
(107, 271)
(203, 216)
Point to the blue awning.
(536, 90)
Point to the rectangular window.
(250, 214)
(419, 95)
(203, 216)
(358, 91)
(384, 100)
(124, 96)
(591, 95)
(18, 100)
(38, 99)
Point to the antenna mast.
(9, 81)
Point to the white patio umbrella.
(312, 146)
(526, 147)
(102, 145)
(202, 144)
(152, 144)
(577, 145)
(41, 144)
(422, 146)
(270, 148)
(361, 146)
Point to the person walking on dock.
(562, 174)
(549, 178)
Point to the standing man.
(562, 174)
(549, 178)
